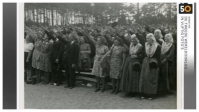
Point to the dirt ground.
(41, 96)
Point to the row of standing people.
(143, 68)
(134, 67)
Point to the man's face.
(166, 31)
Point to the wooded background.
(99, 13)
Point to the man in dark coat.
(56, 54)
(70, 58)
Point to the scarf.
(165, 47)
(150, 49)
(133, 49)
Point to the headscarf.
(126, 35)
(134, 49)
(166, 46)
(151, 48)
(160, 34)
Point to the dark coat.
(56, 51)
(70, 51)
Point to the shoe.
(142, 97)
(71, 87)
(55, 84)
(97, 90)
(126, 95)
(113, 91)
(66, 86)
(102, 90)
(116, 92)
(150, 98)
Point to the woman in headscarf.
(158, 35)
(117, 56)
(28, 48)
(132, 67)
(84, 56)
(45, 58)
(150, 68)
(101, 50)
(167, 65)
(36, 63)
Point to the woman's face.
(166, 31)
(134, 40)
(126, 37)
(149, 40)
(116, 43)
(27, 38)
(45, 37)
(166, 38)
(82, 40)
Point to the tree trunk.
(61, 20)
(33, 13)
(84, 20)
(40, 17)
(138, 11)
(56, 18)
(47, 17)
(52, 16)
(37, 17)
(44, 16)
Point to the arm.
(61, 48)
(50, 35)
(171, 53)
(142, 54)
(159, 42)
(163, 33)
(29, 54)
(125, 41)
(109, 42)
(63, 40)
(141, 39)
(89, 37)
(158, 53)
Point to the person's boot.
(118, 86)
(98, 84)
(103, 85)
(44, 81)
(47, 78)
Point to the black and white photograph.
(100, 55)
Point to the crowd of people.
(140, 61)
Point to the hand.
(57, 61)
(133, 56)
(163, 61)
(73, 65)
(27, 60)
